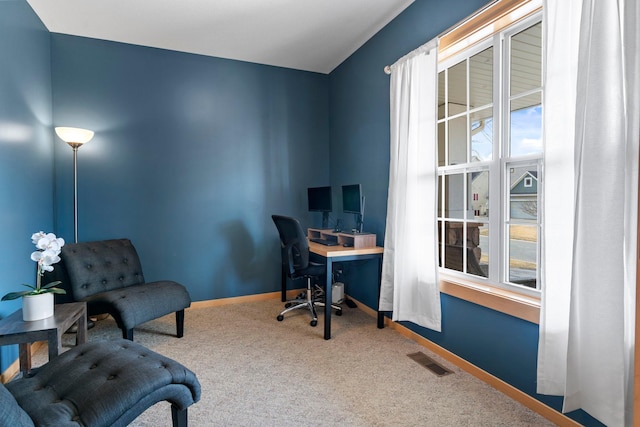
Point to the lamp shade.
(74, 135)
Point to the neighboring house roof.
(526, 184)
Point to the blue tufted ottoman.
(103, 383)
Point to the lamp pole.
(74, 147)
(75, 137)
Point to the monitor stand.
(325, 220)
(359, 223)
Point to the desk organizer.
(356, 240)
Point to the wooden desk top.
(339, 251)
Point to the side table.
(14, 330)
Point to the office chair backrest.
(293, 241)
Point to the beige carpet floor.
(256, 371)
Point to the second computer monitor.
(352, 199)
(353, 202)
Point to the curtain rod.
(424, 49)
(387, 68)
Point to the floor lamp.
(75, 137)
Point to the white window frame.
(498, 166)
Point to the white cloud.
(531, 143)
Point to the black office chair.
(295, 261)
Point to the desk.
(333, 254)
(13, 330)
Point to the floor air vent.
(430, 364)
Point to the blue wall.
(191, 157)
(359, 103)
(26, 154)
(193, 154)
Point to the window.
(490, 151)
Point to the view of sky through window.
(526, 134)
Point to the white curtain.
(409, 285)
(590, 213)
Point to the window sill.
(521, 306)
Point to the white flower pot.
(37, 307)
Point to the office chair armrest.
(288, 250)
(287, 254)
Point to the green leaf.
(48, 288)
(50, 285)
(15, 295)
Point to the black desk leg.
(327, 301)
(380, 313)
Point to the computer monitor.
(353, 202)
(319, 200)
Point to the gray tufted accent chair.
(102, 383)
(107, 275)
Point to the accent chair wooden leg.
(180, 323)
(179, 417)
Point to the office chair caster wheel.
(280, 317)
(314, 323)
(338, 312)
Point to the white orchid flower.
(49, 257)
(35, 237)
(42, 242)
(46, 259)
(49, 241)
(48, 252)
(55, 244)
(44, 267)
(35, 256)
(46, 241)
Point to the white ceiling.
(311, 35)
